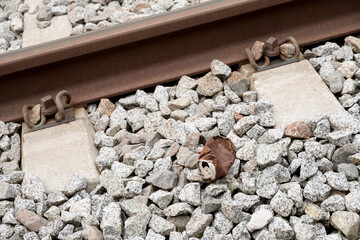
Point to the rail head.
(126, 33)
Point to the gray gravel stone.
(326, 69)
(113, 185)
(280, 173)
(267, 155)
(52, 228)
(304, 231)
(315, 148)
(205, 124)
(6, 231)
(197, 224)
(337, 181)
(255, 132)
(163, 179)
(322, 129)
(31, 236)
(44, 14)
(56, 198)
(266, 186)
(271, 136)
(190, 193)
(281, 204)
(210, 204)
(102, 123)
(248, 183)
(259, 219)
(135, 226)
(7, 191)
(121, 170)
(135, 118)
(281, 228)
(315, 191)
(241, 232)
(333, 203)
(136, 154)
(265, 234)
(151, 235)
(336, 81)
(133, 207)
(215, 189)
(230, 94)
(9, 218)
(76, 15)
(340, 138)
(349, 86)
(220, 69)
(225, 123)
(342, 154)
(232, 210)
(185, 84)
(178, 209)
(209, 85)
(239, 84)
(74, 184)
(221, 223)
(111, 223)
(350, 170)
(247, 152)
(5, 206)
(161, 198)
(209, 233)
(308, 168)
(343, 121)
(326, 49)
(244, 124)
(142, 167)
(173, 130)
(106, 157)
(160, 225)
(53, 213)
(133, 188)
(352, 202)
(179, 103)
(102, 140)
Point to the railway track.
(223, 155)
(159, 49)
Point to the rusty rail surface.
(162, 48)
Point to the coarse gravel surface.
(279, 187)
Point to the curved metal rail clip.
(271, 49)
(56, 112)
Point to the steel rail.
(162, 48)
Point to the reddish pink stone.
(31, 220)
(92, 233)
(298, 130)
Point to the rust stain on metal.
(162, 48)
(216, 158)
(271, 49)
(60, 115)
(27, 108)
(50, 108)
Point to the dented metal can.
(216, 158)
